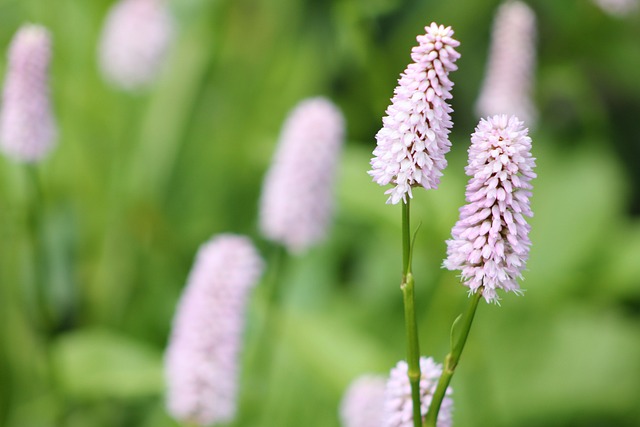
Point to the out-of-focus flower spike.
(398, 406)
(510, 69)
(27, 126)
(618, 8)
(414, 138)
(135, 41)
(490, 242)
(203, 355)
(363, 403)
(297, 199)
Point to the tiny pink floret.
(414, 138)
(490, 242)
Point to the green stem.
(44, 322)
(47, 322)
(411, 324)
(452, 360)
(261, 348)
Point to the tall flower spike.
(201, 362)
(490, 242)
(297, 195)
(134, 42)
(414, 138)
(27, 126)
(363, 402)
(510, 70)
(398, 406)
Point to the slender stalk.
(411, 324)
(46, 320)
(452, 359)
(261, 348)
(259, 351)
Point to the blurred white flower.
(297, 198)
(27, 126)
(618, 7)
(203, 355)
(363, 403)
(134, 42)
(510, 69)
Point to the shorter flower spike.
(363, 402)
(490, 242)
(414, 138)
(510, 70)
(202, 358)
(398, 405)
(134, 42)
(296, 205)
(27, 126)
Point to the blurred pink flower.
(490, 243)
(27, 126)
(135, 41)
(363, 403)
(203, 355)
(414, 138)
(618, 8)
(398, 405)
(297, 199)
(510, 70)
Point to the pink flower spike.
(398, 406)
(414, 138)
(490, 242)
(510, 70)
(27, 126)
(135, 41)
(203, 356)
(363, 402)
(296, 204)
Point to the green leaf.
(99, 363)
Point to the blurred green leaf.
(103, 364)
(573, 202)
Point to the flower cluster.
(134, 43)
(297, 196)
(509, 76)
(27, 126)
(490, 243)
(203, 354)
(398, 405)
(414, 139)
(363, 402)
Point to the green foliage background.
(138, 182)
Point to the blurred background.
(138, 181)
